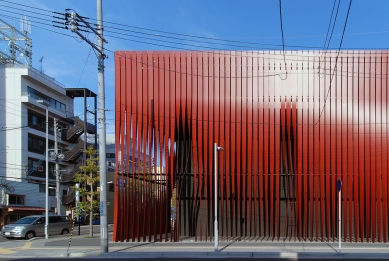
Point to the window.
(38, 122)
(37, 168)
(40, 220)
(15, 199)
(42, 189)
(13, 218)
(64, 219)
(111, 187)
(40, 96)
(110, 155)
(55, 219)
(35, 144)
(35, 121)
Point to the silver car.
(32, 226)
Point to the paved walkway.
(81, 246)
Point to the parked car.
(96, 222)
(32, 226)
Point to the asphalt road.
(189, 259)
(84, 230)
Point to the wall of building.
(17, 104)
(291, 126)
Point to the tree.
(88, 175)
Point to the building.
(291, 125)
(23, 147)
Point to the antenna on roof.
(25, 25)
(40, 61)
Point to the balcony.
(41, 128)
(30, 98)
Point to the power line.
(154, 65)
(35, 25)
(336, 62)
(174, 47)
(32, 7)
(283, 42)
(327, 44)
(159, 35)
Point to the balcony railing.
(75, 131)
(36, 97)
(25, 66)
(41, 127)
(75, 152)
(69, 176)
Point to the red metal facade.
(289, 132)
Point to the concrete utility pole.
(75, 20)
(57, 171)
(102, 134)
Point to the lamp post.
(215, 150)
(45, 103)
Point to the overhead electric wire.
(172, 33)
(47, 29)
(177, 48)
(283, 42)
(19, 4)
(336, 62)
(327, 44)
(159, 36)
(15, 128)
(186, 35)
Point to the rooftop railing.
(25, 66)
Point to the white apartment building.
(23, 142)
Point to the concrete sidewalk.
(81, 246)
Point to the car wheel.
(65, 232)
(30, 234)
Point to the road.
(84, 230)
(81, 247)
(188, 259)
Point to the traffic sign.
(339, 185)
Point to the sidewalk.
(90, 247)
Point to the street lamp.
(215, 150)
(45, 103)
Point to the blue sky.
(144, 24)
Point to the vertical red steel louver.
(288, 133)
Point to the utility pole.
(76, 21)
(57, 171)
(102, 134)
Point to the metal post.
(77, 204)
(340, 221)
(45, 103)
(57, 171)
(215, 188)
(102, 135)
(47, 175)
